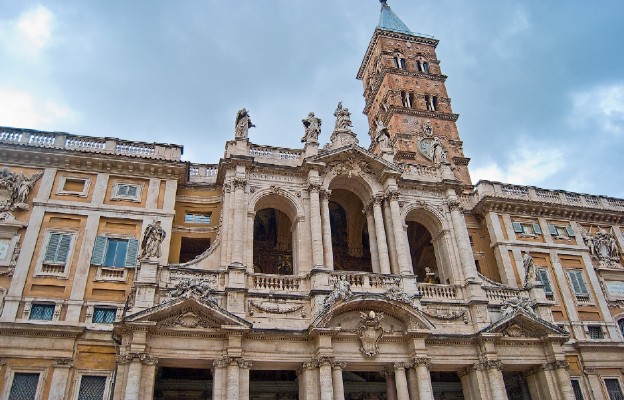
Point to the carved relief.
(275, 308)
(342, 292)
(602, 247)
(188, 320)
(15, 189)
(369, 330)
(187, 287)
(152, 238)
(514, 304)
(396, 294)
(445, 313)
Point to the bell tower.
(405, 92)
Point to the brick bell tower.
(404, 91)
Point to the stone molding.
(144, 358)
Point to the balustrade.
(276, 282)
(438, 292)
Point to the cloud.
(525, 166)
(21, 109)
(30, 33)
(602, 106)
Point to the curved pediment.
(188, 313)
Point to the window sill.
(52, 271)
(111, 274)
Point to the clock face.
(5, 246)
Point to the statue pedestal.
(310, 149)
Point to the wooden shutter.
(553, 230)
(99, 250)
(63, 248)
(542, 274)
(517, 227)
(578, 283)
(132, 191)
(537, 229)
(131, 253)
(570, 231)
(53, 244)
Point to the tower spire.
(389, 21)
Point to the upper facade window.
(104, 315)
(579, 287)
(56, 254)
(614, 389)
(561, 231)
(399, 61)
(42, 312)
(24, 386)
(197, 218)
(126, 191)
(423, 66)
(73, 186)
(432, 102)
(527, 229)
(115, 252)
(544, 277)
(407, 99)
(92, 387)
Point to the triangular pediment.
(399, 316)
(354, 154)
(522, 324)
(188, 313)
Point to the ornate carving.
(427, 128)
(513, 304)
(313, 187)
(239, 183)
(516, 330)
(144, 358)
(342, 292)
(445, 313)
(242, 363)
(325, 194)
(602, 247)
(369, 330)
(432, 149)
(221, 362)
(242, 125)
(488, 364)
(188, 320)
(275, 308)
(312, 127)
(64, 362)
(199, 288)
(339, 365)
(396, 294)
(323, 361)
(426, 361)
(15, 189)
(152, 238)
(401, 365)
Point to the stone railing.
(497, 189)
(364, 281)
(61, 140)
(203, 173)
(500, 294)
(276, 155)
(269, 282)
(439, 292)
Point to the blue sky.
(539, 85)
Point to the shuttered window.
(542, 275)
(578, 283)
(113, 252)
(58, 248)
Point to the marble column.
(326, 226)
(412, 384)
(133, 381)
(462, 239)
(372, 239)
(60, 374)
(421, 365)
(310, 380)
(382, 247)
(392, 245)
(219, 377)
(563, 379)
(400, 379)
(315, 225)
(148, 375)
(244, 367)
(233, 380)
(495, 376)
(239, 221)
(338, 384)
(400, 236)
(325, 378)
(388, 373)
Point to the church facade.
(328, 272)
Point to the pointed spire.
(389, 21)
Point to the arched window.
(425, 67)
(407, 99)
(272, 243)
(424, 261)
(399, 61)
(350, 242)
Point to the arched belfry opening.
(349, 231)
(274, 237)
(427, 247)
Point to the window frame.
(40, 267)
(115, 195)
(598, 328)
(92, 372)
(194, 221)
(580, 387)
(13, 241)
(10, 375)
(584, 297)
(615, 378)
(527, 229)
(61, 186)
(569, 234)
(28, 307)
(544, 271)
(99, 254)
(91, 310)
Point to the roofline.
(415, 38)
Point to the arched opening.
(350, 242)
(424, 262)
(273, 242)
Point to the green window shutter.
(537, 229)
(97, 257)
(53, 244)
(578, 284)
(517, 227)
(542, 274)
(63, 248)
(131, 253)
(570, 231)
(553, 230)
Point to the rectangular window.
(58, 248)
(578, 392)
(528, 229)
(73, 186)
(561, 232)
(595, 332)
(24, 386)
(114, 252)
(192, 218)
(92, 387)
(578, 284)
(41, 312)
(126, 191)
(542, 275)
(104, 315)
(614, 389)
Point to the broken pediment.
(188, 313)
(354, 159)
(522, 324)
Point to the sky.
(539, 85)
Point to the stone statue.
(437, 154)
(152, 238)
(343, 118)
(243, 123)
(382, 137)
(603, 247)
(15, 189)
(530, 274)
(513, 304)
(429, 276)
(312, 127)
(369, 330)
(342, 291)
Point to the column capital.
(325, 194)
(401, 366)
(313, 187)
(386, 371)
(426, 361)
(221, 362)
(454, 204)
(148, 359)
(63, 363)
(339, 365)
(239, 183)
(323, 361)
(489, 364)
(392, 195)
(465, 371)
(242, 363)
(311, 364)
(378, 200)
